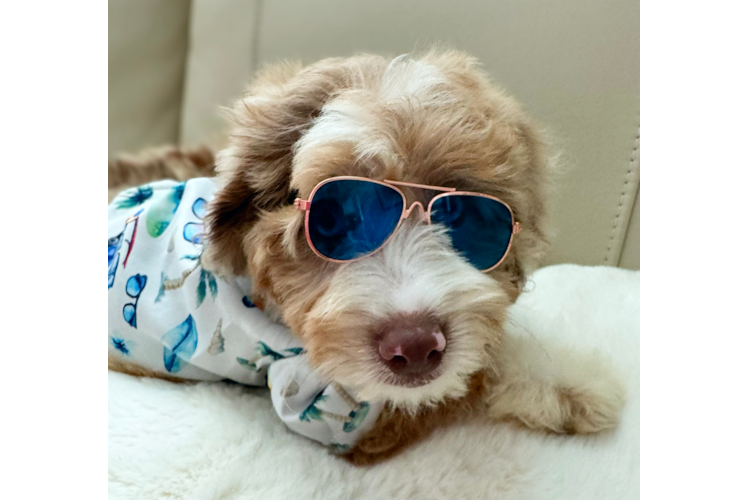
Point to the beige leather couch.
(574, 64)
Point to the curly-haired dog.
(414, 323)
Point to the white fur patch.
(417, 271)
(406, 78)
(343, 120)
(352, 116)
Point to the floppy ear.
(529, 203)
(255, 170)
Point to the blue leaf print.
(161, 289)
(212, 284)
(162, 210)
(120, 344)
(138, 196)
(247, 302)
(201, 287)
(247, 363)
(357, 417)
(190, 257)
(295, 350)
(312, 412)
(265, 350)
(179, 345)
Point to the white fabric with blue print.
(168, 314)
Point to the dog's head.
(433, 119)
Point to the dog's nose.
(412, 345)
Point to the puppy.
(412, 319)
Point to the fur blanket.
(220, 441)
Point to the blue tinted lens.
(135, 285)
(351, 218)
(198, 208)
(193, 232)
(480, 228)
(128, 312)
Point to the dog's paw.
(579, 409)
(579, 396)
(586, 410)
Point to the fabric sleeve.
(319, 410)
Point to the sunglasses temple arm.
(301, 205)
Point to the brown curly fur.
(165, 162)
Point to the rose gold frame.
(305, 205)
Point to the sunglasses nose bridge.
(410, 210)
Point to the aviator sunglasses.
(349, 218)
(133, 288)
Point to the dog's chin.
(413, 381)
(415, 393)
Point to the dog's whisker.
(516, 323)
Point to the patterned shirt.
(168, 314)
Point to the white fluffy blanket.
(216, 441)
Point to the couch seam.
(636, 196)
(624, 189)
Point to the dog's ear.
(529, 202)
(255, 169)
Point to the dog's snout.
(412, 345)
